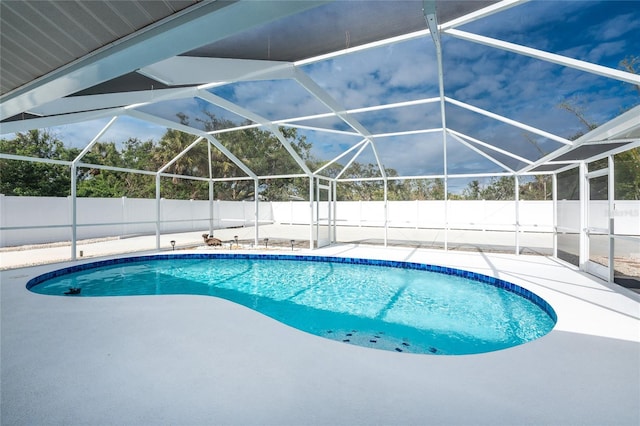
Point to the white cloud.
(327, 146)
(274, 99)
(79, 135)
(606, 50)
(127, 127)
(617, 26)
(403, 71)
(412, 155)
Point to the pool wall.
(474, 276)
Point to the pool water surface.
(396, 306)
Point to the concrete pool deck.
(278, 234)
(152, 360)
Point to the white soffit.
(190, 70)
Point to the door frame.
(597, 269)
(322, 220)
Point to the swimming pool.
(397, 306)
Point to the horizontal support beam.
(589, 67)
(35, 159)
(321, 129)
(407, 133)
(372, 45)
(57, 120)
(394, 105)
(114, 169)
(478, 14)
(509, 121)
(73, 104)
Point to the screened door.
(598, 222)
(323, 215)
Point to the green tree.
(365, 190)
(263, 153)
(627, 175)
(138, 155)
(194, 163)
(538, 187)
(433, 190)
(502, 188)
(95, 182)
(25, 178)
(473, 191)
(627, 164)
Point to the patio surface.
(193, 360)
(279, 235)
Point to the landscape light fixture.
(266, 242)
(235, 237)
(173, 244)
(292, 241)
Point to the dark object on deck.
(210, 241)
(73, 290)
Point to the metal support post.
(554, 182)
(311, 199)
(158, 211)
(256, 211)
(517, 202)
(74, 212)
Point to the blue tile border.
(473, 276)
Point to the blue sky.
(515, 86)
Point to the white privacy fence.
(462, 214)
(626, 216)
(33, 220)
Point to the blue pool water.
(396, 306)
